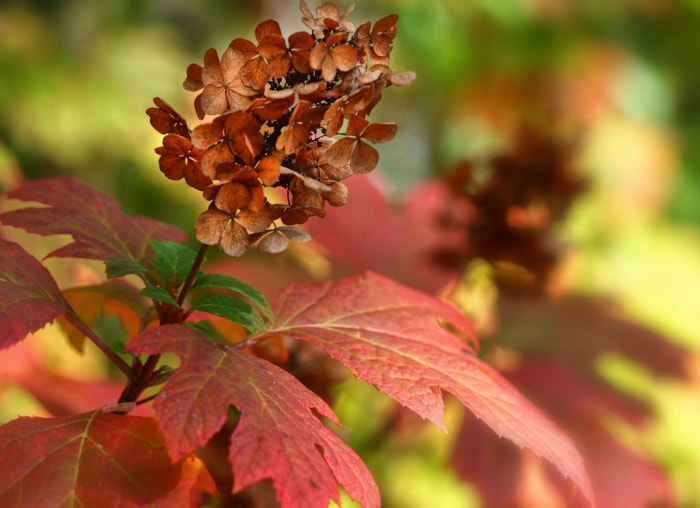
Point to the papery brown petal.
(362, 36)
(317, 56)
(386, 24)
(257, 198)
(295, 234)
(339, 153)
(338, 195)
(256, 221)
(193, 81)
(294, 215)
(292, 137)
(379, 132)
(345, 57)
(207, 135)
(254, 73)
(270, 108)
(356, 125)
(267, 27)
(273, 243)
(166, 120)
(213, 99)
(268, 169)
(381, 47)
(278, 67)
(210, 225)
(234, 240)
(199, 110)
(232, 196)
(328, 69)
(216, 156)
(243, 46)
(364, 158)
(211, 58)
(244, 135)
(194, 176)
(404, 78)
(333, 119)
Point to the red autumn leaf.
(29, 296)
(391, 336)
(91, 459)
(99, 227)
(278, 436)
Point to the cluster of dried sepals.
(279, 108)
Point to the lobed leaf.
(29, 296)
(92, 459)
(277, 437)
(392, 336)
(99, 227)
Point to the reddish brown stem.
(193, 274)
(75, 320)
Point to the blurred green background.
(77, 75)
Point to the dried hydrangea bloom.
(289, 113)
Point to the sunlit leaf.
(29, 296)
(277, 437)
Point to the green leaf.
(115, 268)
(173, 260)
(159, 294)
(216, 280)
(232, 308)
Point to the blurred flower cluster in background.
(545, 176)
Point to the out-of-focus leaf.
(277, 437)
(99, 227)
(63, 461)
(29, 296)
(113, 298)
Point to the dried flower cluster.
(510, 217)
(286, 113)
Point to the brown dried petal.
(300, 44)
(268, 27)
(272, 108)
(256, 221)
(273, 242)
(166, 120)
(217, 156)
(232, 196)
(338, 195)
(345, 57)
(193, 81)
(207, 135)
(364, 158)
(268, 169)
(379, 132)
(339, 153)
(210, 225)
(244, 135)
